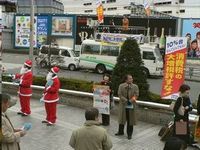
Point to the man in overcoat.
(128, 93)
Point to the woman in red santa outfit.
(25, 91)
(50, 96)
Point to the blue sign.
(191, 26)
(42, 30)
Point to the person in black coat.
(107, 82)
(184, 100)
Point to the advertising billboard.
(191, 29)
(22, 31)
(42, 30)
(191, 26)
(62, 26)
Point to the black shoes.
(118, 134)
(22, 114)
(44, 121)
(49, 124)
(129, 137)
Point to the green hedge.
(85, 86)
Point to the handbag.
(181, 109)
(181, 127)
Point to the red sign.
(174, 74)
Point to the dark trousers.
(129, 127)
(105, 119)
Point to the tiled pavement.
(41, 137)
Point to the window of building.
(103, 2)
(163, 3)
(88, 11)
(87, 4)
(167, 12)
(181, 1)
(182, 11)
(111, 1)
(112, 8)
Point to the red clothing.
(51, 112)
(51, 92)
(26, 80)
(25, 91)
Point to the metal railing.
(79, 93)
(192, 72)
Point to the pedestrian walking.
(50, 96)
(107, 82)
(10, 135)
(181, 109)
(25, 91)
(128, 93)
(91, 136)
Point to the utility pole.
(31, 31)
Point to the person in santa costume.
(50, 96)
(25, 91)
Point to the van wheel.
(43, 64)
(100, 69)
(72, 67)
(146, 72)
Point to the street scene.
(100, 75)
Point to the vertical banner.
(22, 31)
(175, 60)
(42, 30)
(101, 99)
(147, 9)
(99, 10)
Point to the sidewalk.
(41, 137)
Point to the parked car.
(61, 56)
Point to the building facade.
(41, 6)
(179, 8)
(111, 7)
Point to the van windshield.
(158, 55)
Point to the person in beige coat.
(128, 93)
(10, 136)
(91, 136)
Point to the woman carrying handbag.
(181, 110)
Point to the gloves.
(27, 126)
(49, 83)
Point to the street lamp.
(31, 31)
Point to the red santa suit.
(51, 97)
(25, 90)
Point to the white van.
(95, 55)
(61, 56)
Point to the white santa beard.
(49, 76)
(23, 70)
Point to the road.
(13, 63)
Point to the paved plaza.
(42, 137)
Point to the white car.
(61, 56)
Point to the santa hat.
(55, 70)
(28, 63)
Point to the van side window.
(110, 50)
(91, 49)
(148, 55)
(65, 53)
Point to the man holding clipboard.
(128, 93)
